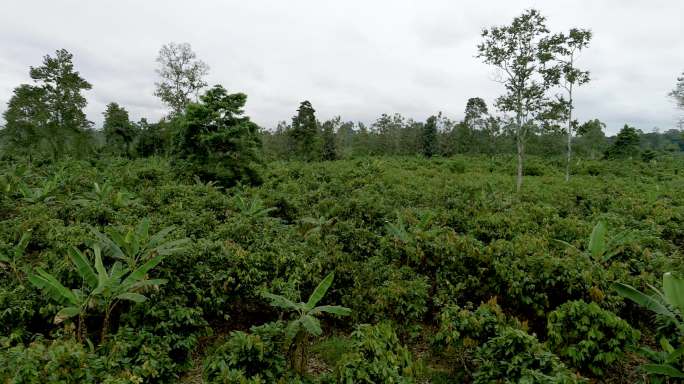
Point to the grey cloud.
(355, 58)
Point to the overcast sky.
(352, 58)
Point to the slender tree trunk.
(567, 165)
(519, 178)
(81, 330)
(521, 149)
(105, 325)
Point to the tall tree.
(62, 86)
(53, 107)
(26, 119)
(329, 151)
(592, 136)
(476, 113)
(678, 93)
(182, 75)
(626, 144)
(567, 47)
(388, 129)
(217, 141)
(521, 54)
(304, 131)
(118, 130)
(429, 136)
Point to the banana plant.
(252, 208)
(137, 244)
(316, 225)
(305, 322)
(399, 231)
(10, 180)
(102, 290)
(670, 304)
(105, 195)
(600, 247)
(44, 193)
(16, 252)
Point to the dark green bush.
(377, 357)
(514, 356)
(588, 337)
(255, 357)
(465, 328)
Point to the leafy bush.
(256, 357)
(464, 328)
(377, 357)
(588, 337)
(403, 297)
(514, 356)
(63, 361)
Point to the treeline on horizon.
(46, 119)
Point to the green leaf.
(565, 243)
(109, 247)
(320, 291)
(22, 244)
(291, 330)
(280, 301)
(145, 283)
(334, 309)
(66, 313)
(83, 267)
(311, 324)
(53, 287)
(642, 299)
(131, 296)
(142, 230)
(102, 275)
(662, 369)
(140, 273)
(597, 241)
(4, 258)
(673, 288)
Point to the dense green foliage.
(216, 141)
(411, 241)
(202, 248)
(588, 336)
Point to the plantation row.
(374, 270)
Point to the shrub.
(588, 337)
(462, 327)
(514, 356)
(63, 361)
(402, 297)
(377, 357)
(248, 358)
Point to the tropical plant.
(101, 289)
(589, 337)
(600, 246)
(317, 225)
(11, 257)
(668, 304)
(514, 356)
(377, 356)
(305, 323)
(44, 193)
(137, 245)
(105, 194)
(253, 357)
(252, 208)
